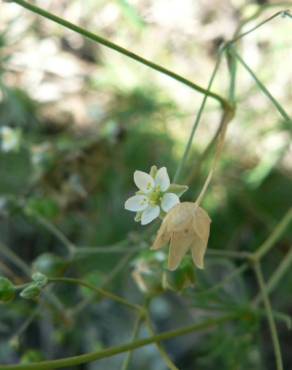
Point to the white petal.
(162, 179)
(143, 181)
(137, 203)
(150, 214)
(168, 201)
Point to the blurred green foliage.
(76, 177)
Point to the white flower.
(156, 196)
(10, 139)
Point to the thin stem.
(236, 38)
(135, 333)
(120, 265)
(197, 120)
(11, 256)
(258, 12)
(204, 155)
(279, 316)
(118, 268)
(56, 232)
(275, 235)
(106, 250)
(238, 271)
(119, 49)
(226, 118)
(228, 254)
(159, 346)
(280, 109)
(269, 313)
(277, 275)
(240, 36)
(232, 65)
(25, 324)
(8, 271)
(97, 290)
(109, 352)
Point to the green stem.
(276, 234)
(120, 265)
(228, 254)
(232, 66)
(227, 116)
(100, 291)
(240, 36)
(197, 120)
(135, 333)
(269, 313)
(56, 232)
(232, 70)
(238, 271)
(119, 49)
(257, 13)
(277, 275)
(278, 316)
(11, 256)
(280, 109)
(25, 324)
(94, 356)
(159, 346)
(109, 249)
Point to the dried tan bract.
(186, 226)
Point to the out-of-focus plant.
(59, 167)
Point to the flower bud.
(40, 279)
(7, 290)
(32, 291)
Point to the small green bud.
(40, 279)
(7, 290)
(32, 291)
(177, 189)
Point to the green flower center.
(155, 197)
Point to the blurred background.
(78, 119)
